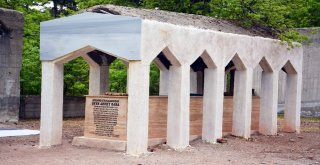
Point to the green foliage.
(154, 80)
(118, 77)
(76, 78)
(31, 67)
(292, 36)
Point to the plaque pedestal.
(106, 120)
(114, 145)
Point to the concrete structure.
(310, 98)
(176, 49)
(11, 32)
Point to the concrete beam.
(178, 107)
(51, 104)
(269, 103)
(242, 103)
(138, 108)
(213, 104)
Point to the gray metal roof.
(113, 34)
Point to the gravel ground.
(198, 21)
(284, 148)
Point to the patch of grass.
(281, 116)
(305, 119)
(310, 129)
(311, 119)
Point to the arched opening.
(267, 123)
(206, 104)
(113, 70)
(238, 99)
(290, 93)
(197, 75)
(57, 73)
(160, 81)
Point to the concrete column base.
(113, 145)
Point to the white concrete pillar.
(193, 82)
(163, 84)
(268, 103)
(242, 103)
(138, 108)
(293, 103)
(178, 107)
(98, 79)
(51, 104)
(213, 104)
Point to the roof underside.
(112, 34)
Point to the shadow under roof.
(115, 35)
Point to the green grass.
(305, 119)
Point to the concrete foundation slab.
(114, 145)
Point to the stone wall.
(31, 107)
(11, 33)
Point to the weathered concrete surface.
(202, 22)
(182, 45)
(310, 105)
(114, 145)
(11, 32)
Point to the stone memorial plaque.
(105, 114)
(106, 117)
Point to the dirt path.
(282, 149)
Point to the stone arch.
(265, 65)
(235, 64)
(84, 53)
(197, 72)
(208, 60)
(164, 60)
(238, 62)
(167, 58)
